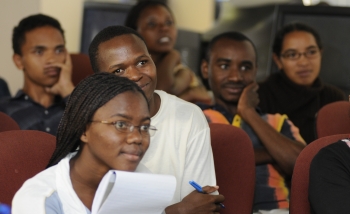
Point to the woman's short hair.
(292, 27)
(88, 96)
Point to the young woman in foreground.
(106, 125)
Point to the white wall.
(70, 14)
(195, 15)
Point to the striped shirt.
(271, 191)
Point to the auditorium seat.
(333, 118)
(23, 154)
(81, 67)
(234, 167)
(7, 123)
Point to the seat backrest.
(23, 154)
(299, 202)
(81, 67)
(234, 166)
(333, 118)
(7, 123)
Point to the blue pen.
(199, 189)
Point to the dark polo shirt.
(31, 115)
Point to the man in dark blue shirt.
(39, 51)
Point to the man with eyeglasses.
(230, 67)
(297, 90)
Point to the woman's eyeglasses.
(294, 55)
(125, 127)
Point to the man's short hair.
(105, 35)
(232, 35)
(30, 23)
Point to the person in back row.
(230, 67)
(181, 146)
(297, 90)
(154, 21)
(39, 51)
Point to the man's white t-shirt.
(181, 146)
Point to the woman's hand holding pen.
(198, 203)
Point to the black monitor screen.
(98, 16)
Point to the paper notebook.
(133, 193)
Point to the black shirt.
(31, 115)
(278, 94)
(329, 181)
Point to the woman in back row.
(154, 21)
(297, 90)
